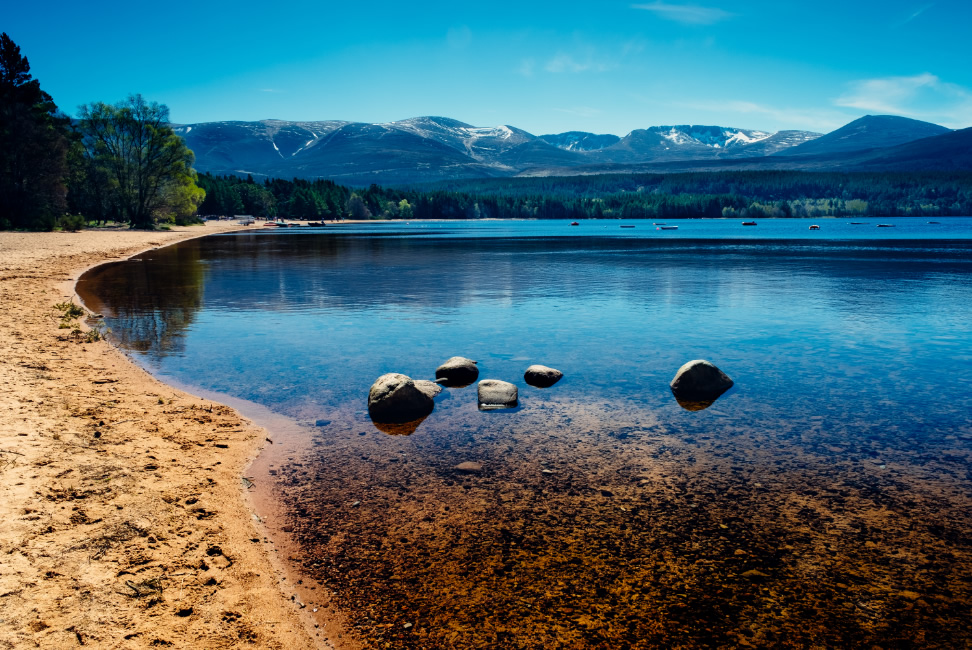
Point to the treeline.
(117, 162)
(629, 196)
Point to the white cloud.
(923, 96)
(527, 67)
(686, 14)
(564, 62)
(915, 14)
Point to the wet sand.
(126, 522)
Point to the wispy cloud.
(568, 63)
(527, 67)
(914, 15)
(270, 90)
(686, 14)
(922, 96)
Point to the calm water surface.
(824, 500)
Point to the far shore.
(126, 522)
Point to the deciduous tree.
(148, 166)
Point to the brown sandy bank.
(125, 522)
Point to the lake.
(826, 499)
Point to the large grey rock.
(542, 376)
(457, 371)
(395, 398)
(496, 394)
(699, 380)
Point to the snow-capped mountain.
(580, 141)
(437, 148)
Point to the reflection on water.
(824, 500)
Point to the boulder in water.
(457, 372)
(430, 388)
(496, 394)
(542, 376)
(698, 381)
(395, 398)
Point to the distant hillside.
(868, 132)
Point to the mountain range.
(437, 148)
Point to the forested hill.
(628, 196)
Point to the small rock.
(542, 376)
(457, 372)
(699, 380)
(739, 551)
(755, 573)
(394, 398)
(355, 504)
(547, 471)
(322, 423)
(430, 388)
(469, 466)
(496, 394)
(407, 625)
(607, 493)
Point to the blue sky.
(606, 66)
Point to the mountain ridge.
(430, 148)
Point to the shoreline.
(127, 520)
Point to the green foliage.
(69, 313)
(72, 222)
(68, 310)
(142, 169)
(33, 147)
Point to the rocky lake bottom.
(825, 500)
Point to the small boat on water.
(749, 223)
(934, 222)
(885, 225)
(574, 223)
(627, 226)
(658, 224)
(668, 228)
(814, 227)
(858, 223)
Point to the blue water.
(850, 348)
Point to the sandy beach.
(126, 523)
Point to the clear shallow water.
(837, 469)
